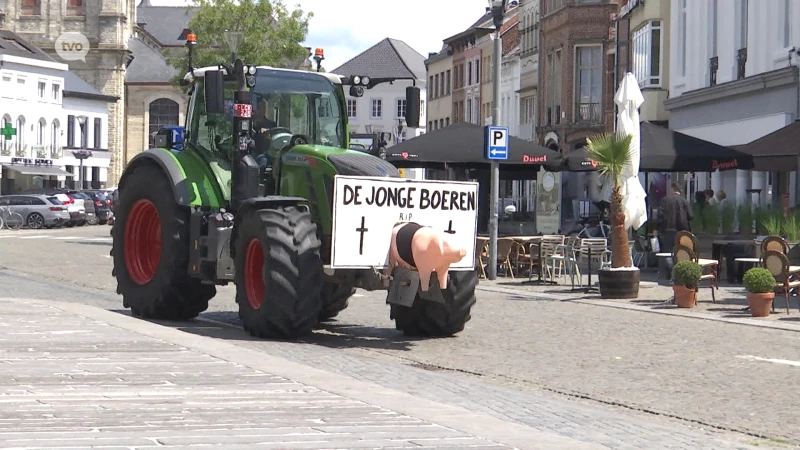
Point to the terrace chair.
(786, 275)
(684, 253)
(524, 258)
(774, 243)
(504, 248)
(481, 256)
(563, 260)
(687, 239)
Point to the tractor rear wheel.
(335, 298)
(432, 319)
(150, 250)
(278, 273)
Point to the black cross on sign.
(450, 229)
(361, 230)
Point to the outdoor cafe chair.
(504, 248)
(774, 243)
(684, 253)
(563, 260)
(482, 255)
(785, 274)
(688, 240)
(523, 259)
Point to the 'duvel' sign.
(367, 208)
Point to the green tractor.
(239, 197)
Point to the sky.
(345, 28)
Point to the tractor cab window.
(297, 103)
(211, 133)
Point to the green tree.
(271, 33)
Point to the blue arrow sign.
(496, 143)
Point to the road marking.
(64, 238)
(776, 361)
(34, 237)
(358, 295)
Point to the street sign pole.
(495, 154)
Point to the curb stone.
(609, 304)
(457, 418)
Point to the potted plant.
(728, 217)
(612, 153)
(791, 229)
(760, 286)
(745, 216)
(686, 275)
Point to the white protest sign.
(366, 209)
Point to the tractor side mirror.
(412, 107)
(214, 92)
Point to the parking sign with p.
(496, 143)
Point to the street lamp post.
(80, 155)
(498, 9)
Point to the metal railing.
(588, 113)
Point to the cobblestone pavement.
(75, 381)
(547, 364)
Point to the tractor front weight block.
(405, 286)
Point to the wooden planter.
(621, 284)
(685, 297)
(760, 304)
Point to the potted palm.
(686, 275)
(760, 286)
(612, 153)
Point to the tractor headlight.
(251, 70)
(356, 80)
(365, 81)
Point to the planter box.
(619, 284)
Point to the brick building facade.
(577, 63)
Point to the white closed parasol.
(628, 99)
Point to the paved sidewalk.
(76, 376)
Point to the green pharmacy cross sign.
(7, 131)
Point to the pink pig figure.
(423, 249)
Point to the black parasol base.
(619, 284)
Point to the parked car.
(102, 205)
(88, 204)
(75, 204)
(38, 211)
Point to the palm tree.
(612, 153)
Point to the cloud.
(346, 28)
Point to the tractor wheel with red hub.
(278, 272)
(150, 250)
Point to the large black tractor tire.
(431, 319)
(335, 298)
(278, 273)
(150, 251)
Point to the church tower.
(107, 24)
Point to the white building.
(509, 91)
(382, 109)
(34, 92)
(733, 79)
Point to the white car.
(76, 209)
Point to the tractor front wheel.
(150, 250)
(426, 318)
(278, 273)
(335, 298)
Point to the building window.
(469, 73)
(54, 132)
(401, 108)
(163, 112)
(30, 8)
(377, 108)
(41, 129)
(446, 121)
(75, 8)
(42, 89)
(20, 142)
(56, 89)
(351, 108)
(477, 71)
(98, 133)
(647, 54)
(422, 105)
(786, 26)
(682, 38)
(469, 110)
(70, 131)
(447, 83)
(84, 126)
(743, 19)
(4, 144)
(436, 86)
(430, 125)
(590, 83)
(441, 82)
(430, 89)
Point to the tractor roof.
(200, 73)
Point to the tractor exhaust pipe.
(244, 170)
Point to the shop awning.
(778, 151)
(665, 150)
(463, 144)
(24, 169)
